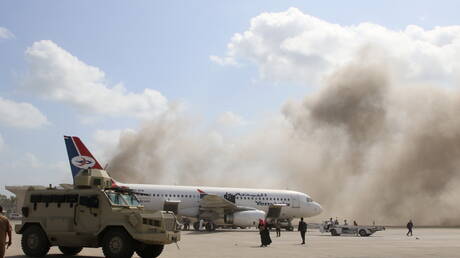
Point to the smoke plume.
(364, 146)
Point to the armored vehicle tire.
(34, 241)
(362, 233)
(334, 232)
(67, 250)
(290, 228)
(117, 244)
(150, 251)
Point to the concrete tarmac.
(426, 242)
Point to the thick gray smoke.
(363, 146)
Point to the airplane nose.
(318, 208)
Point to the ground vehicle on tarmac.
(337, 230)
(93, 214)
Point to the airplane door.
(295, 201)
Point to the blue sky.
(165, 46)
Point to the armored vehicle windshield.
(122, 198)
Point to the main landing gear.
(208, 226)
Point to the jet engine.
(244, 218)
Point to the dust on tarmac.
(426, 242)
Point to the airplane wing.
(212, 201)
(213, 206)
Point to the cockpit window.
(309, 199)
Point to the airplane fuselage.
(297, 204)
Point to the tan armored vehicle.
(93, 214)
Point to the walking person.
(302, 229)
(266, 235)
(261, 227)
(409, 226)
(278, 229)
(5, 230)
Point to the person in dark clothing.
(278, 229)
(261, 228)
(410, 225)
(355, 223)
(264, 234)
(302, 229)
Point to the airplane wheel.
(196, 226)
(210, 226)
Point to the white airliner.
(217, 206)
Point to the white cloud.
(293, 46)
(2, 143)
(20, 114)
(223, 60)
(33, 169)
(56, 74)
(30, 160)
(230, 119)
(5, 33)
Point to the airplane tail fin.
(79, 155)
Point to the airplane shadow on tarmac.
(348, 235)
(54, 256)
(192, 232)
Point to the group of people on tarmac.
(264, 231)
(336, 222)
(330, 222)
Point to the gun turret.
(89, 178)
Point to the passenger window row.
(237, 197)
(177, 195)
(263, 198)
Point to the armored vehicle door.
(88, 214)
